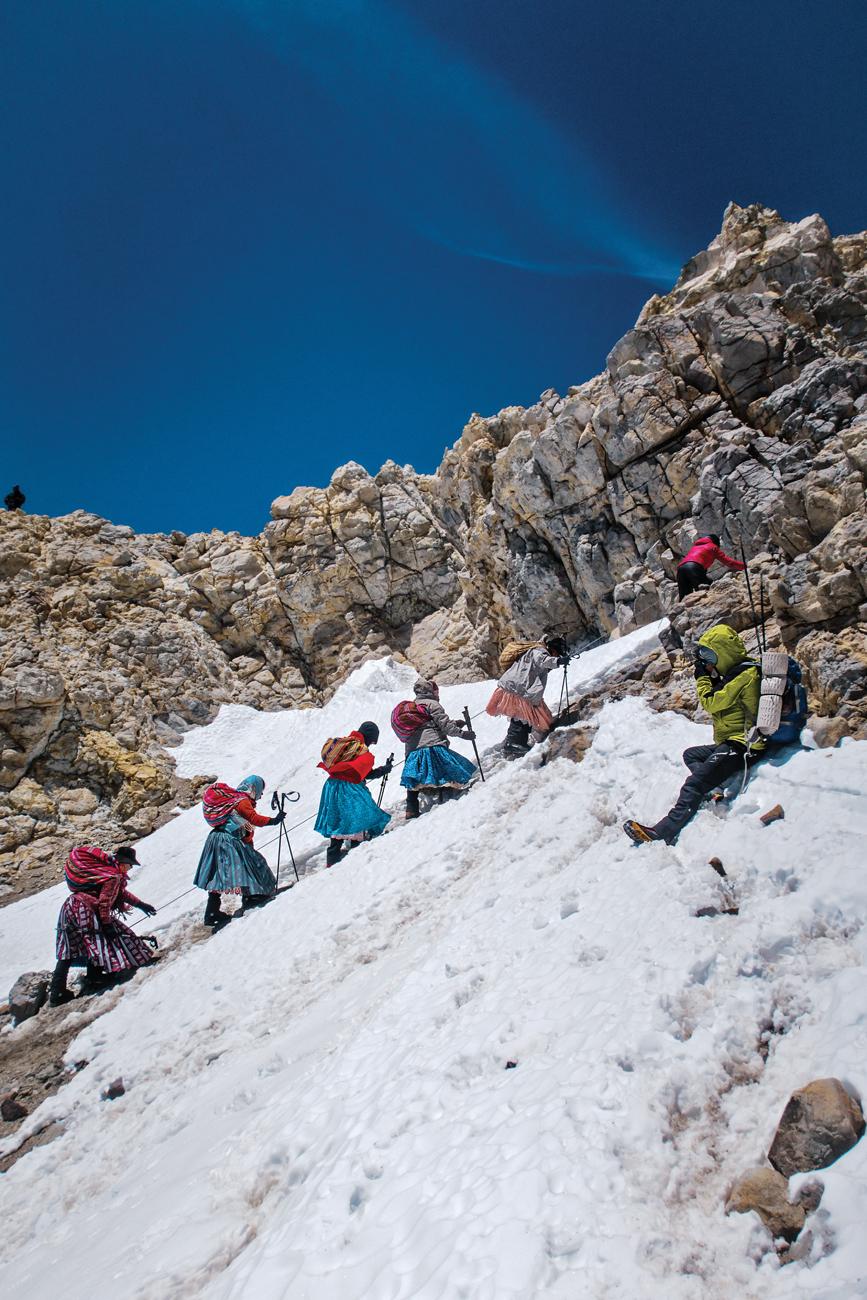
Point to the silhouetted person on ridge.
(15, 499)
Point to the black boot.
(517, 737)
(214, 915)
(335, 852)
(412, 806)
(58, 993)
(95, 980)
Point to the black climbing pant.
(335, 851)
(691, 576)
(709, 766)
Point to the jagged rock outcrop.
(737, 404)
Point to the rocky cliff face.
(738, 405)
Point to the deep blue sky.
(243, 241)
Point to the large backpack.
(407, 717)
(341, 749)
(513, 652)
(783, 701)
(218, 803)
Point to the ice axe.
(468, 720)
(278, 802)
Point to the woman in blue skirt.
(347, 810)
(430, 765)
(229, 864)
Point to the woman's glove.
(279, 818)
(147, 909)
(469, 734)
(562, 660)
(383, 770)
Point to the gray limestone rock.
(28, 994)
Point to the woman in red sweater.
(347, 810)
(692, 570)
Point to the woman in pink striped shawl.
(90, 932)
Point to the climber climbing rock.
(692, 572)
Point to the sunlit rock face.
(737, 405)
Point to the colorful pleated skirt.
(506, 704)
(436, 767)
(81, 938)
(349, 812)
(229, 865)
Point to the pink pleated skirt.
(505, 704)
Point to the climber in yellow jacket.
(728, 685)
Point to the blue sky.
(243, 241)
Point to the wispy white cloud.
(450, 149)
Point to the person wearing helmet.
(692, 570)
(520, 693)
(347, 810)
(229, 864)
(90, 932)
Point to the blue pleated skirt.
(229, 865)
(349, 812)
(435, 767)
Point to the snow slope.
(318, 1104)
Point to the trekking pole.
(762, 610)
(389, 764)
(468, 720)
(563, 688)
(750, 596)
(285, 835)
(277, 803)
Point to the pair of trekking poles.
(278, 803)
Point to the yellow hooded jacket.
(732, 704)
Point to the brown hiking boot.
(640, 834)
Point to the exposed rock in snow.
(821, 1122)
(11, 1110)
(767, 1193)
(28, 994)
(736, 404)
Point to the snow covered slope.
(318, 1102)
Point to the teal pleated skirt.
(349, 812)
(436, 767)
(230, 865)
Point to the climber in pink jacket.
(692, 570)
